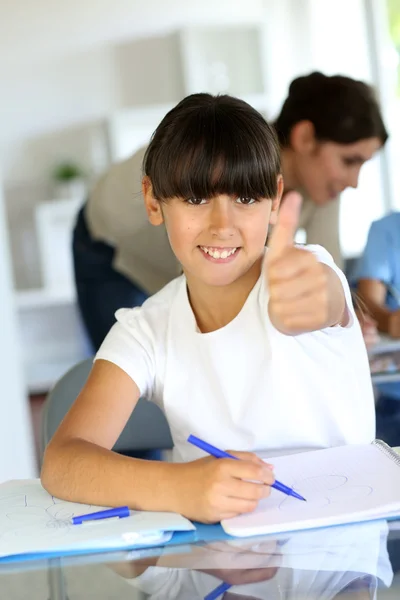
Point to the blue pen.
(221, 589)
(221, 454)
(109, 513)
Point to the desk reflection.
(325, 564)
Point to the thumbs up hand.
(304, 294)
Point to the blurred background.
(85, 84)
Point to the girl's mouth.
(219, 254)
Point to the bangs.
(216, 149)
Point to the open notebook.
(347, 484)
(33, 522)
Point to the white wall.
(60, 61)
(16, 447)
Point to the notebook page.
(341, 485)
(33, 521)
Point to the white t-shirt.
(246, 386)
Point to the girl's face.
(325, 169)
(216, 240)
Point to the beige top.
(116, 215)
(321, 224)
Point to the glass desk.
(358, 562)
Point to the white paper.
(341, 485)
(32, 521)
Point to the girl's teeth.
(217, 254)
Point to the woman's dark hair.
(341, 109)
(209, 145)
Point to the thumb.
(285, 229)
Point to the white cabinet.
(52, 335)
(54, 222)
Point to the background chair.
(146, 430)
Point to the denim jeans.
(100, 289)
(388, 420)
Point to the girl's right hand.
(211, 489)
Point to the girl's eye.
(196, 201)
(247, 201)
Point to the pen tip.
(299, 497)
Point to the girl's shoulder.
(154, 312)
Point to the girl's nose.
(222, 219)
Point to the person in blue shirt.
(378, 282)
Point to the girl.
(247, 349)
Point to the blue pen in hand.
(108, 513)
(277, 485)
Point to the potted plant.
(69, 179)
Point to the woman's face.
(325, 169)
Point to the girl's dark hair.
(209, 145)
(341, 109)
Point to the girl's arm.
(78, 463)
(80, 466)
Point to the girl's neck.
(288, 169)
(216, 306)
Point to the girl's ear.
(276, 201)
(153, 207)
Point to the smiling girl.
(249, 349)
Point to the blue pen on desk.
(277, 485)
(219, 591)
(109, 513)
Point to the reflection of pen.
(109, 513)
(277, 485)
(221, 589)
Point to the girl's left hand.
(297, 282)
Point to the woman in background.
(328, 128)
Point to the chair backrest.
(147, 428)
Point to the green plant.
(67, 171)
(394, 27)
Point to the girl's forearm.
(79, 471)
